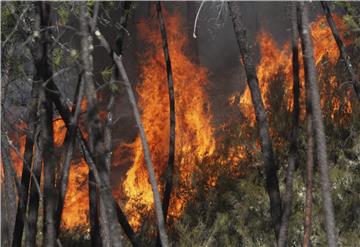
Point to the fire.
(275, 60)
(76, 207)
(194, 133)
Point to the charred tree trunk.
(46, 134)
(34, 193)
(109, 226)
(345, 57)
(283, 234)
(9, 194)
(272, 183)
(318, 126)
(34, 198)
(170, 166)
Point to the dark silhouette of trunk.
(283, 234)
(46, 134)
(318, 126)
(345, 57)
(27, 161)
(8, 197)
(272, 183)
(30, 240)
(170, 165)
(34, 193)
(29, 146)
(93, 212)
(309, 176)
(109, 227)
(69, 149)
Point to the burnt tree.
(272, 183)
(171, 159)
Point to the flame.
(76, 206)
(195, 139)
(275, 60)
(194, 133)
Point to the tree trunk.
(46, 135)
(345, 57)
(309, 176)
(272, 183)
(318, 126)
(109, 226)
(9, 194)
(170, 166)
(283, 234)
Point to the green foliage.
(57, 55)
(63, 14)
(106, 73)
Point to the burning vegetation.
(207, 155)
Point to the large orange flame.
(194, 133)
(275, 60)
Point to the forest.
(190, 123)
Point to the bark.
(272, 184)
(171, 160)
(8, 198)
(149, 165)
(318, 126)
(309, 178)
(345, 57)
(109, 226)
(46, 134)
(283, 234)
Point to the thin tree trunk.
(109, 226)
(345, 57)
(170, 165)
(284, 227)
(69, 149)
(272, 183)
(309, 178)
(9, 193)
(149, 165)
(318, 126)
(46, 115)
